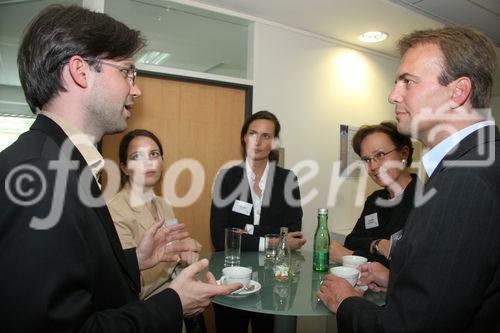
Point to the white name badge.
(242, 207)
(371, 221)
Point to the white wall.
(495, 108)
(313, 85)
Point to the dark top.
(280, 205)
(62, 265)
(390, 220)
(445, 271)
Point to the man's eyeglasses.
(130, 72)
(378, 156)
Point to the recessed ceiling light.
(373, 36)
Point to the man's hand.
(334, 290)
(295, 240)
(337, 251)
(375, 276)
(154, 249)
(196, 295)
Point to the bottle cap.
(322, 211)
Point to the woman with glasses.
(136, 207)
(387, 155)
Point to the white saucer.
(242, 292)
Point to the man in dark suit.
(445, 271)
(63, 268)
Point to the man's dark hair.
(125, 143)
(60, 32)
(388, 128)
(266, 115)
(466, 52)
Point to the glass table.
(286, 300)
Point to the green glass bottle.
(321, 256)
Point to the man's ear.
(79, 71)
(461, 91)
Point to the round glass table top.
(295, 297)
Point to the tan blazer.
(131, 222)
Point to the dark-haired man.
(62, 266)
(445, 271)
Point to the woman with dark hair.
(259, 197)
(388, 155)
(136, 207)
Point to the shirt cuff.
(262, 244)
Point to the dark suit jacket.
(390, 220)
(277, 211)
(445, 272)
(66, 272)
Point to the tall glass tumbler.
(232, 246)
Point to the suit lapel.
(48, 126)
(478, 140)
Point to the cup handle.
(222, 279)
(363, 287)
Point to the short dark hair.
(466, 52)
(390, 129)
(266, 115)
(57, 34)
(125, 143)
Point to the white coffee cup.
(353, 261)
(350, 274)
(236, 274)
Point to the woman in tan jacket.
(136, 207)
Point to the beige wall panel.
(195, 121)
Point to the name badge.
(371, 221)
(242, 207)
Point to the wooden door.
(193, 121)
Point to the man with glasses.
(63, 268)
(445, 271)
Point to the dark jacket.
(280, 208)
(390, 220)
(445, 271)
(66, 272)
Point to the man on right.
(445, 271)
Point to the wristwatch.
(375, 246)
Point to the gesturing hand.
(154, 249)
(196, 295)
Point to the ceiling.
(345, 20)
